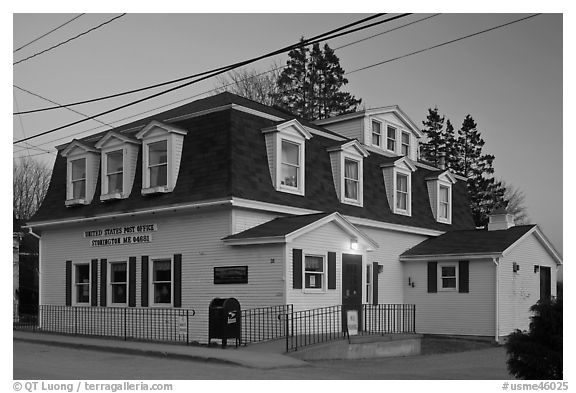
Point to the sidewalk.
(240, 357)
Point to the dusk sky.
(510, 79)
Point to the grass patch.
(432, 345)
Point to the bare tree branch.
(30, 183)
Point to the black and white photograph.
(287, 195)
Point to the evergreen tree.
(434, 131)
(310, 85)
(451, 147)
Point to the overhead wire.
(49, 32)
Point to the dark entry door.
(545, 283)
(351, 286)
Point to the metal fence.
(264, 323)
(147, 324)
(325, 324)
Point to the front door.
(351, 286)
(545, 283)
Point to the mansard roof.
(224, 156)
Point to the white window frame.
(106, 194)
(360, 182)
(395, 140)
(408, 174)
(146, 188)
(378, 135)
(300, 142)
(323, 274)
(85, 179)
(402, 144)
(110, 285)
(151, 281)
(448, 219)
(440, 281)
(75, 285)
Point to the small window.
(391, 138)
(162, 281)
(118, 283)
(290, 165)
(448, 277)
(405, 144)
(115, 171)
(314, 272)
(376, 133)
(401, 192)
(351, 179)
(444, 203)
(369, 284)
(158, 164)
(82, 283)
(78, 178)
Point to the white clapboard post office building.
(225, 197)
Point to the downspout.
(31, 231)
(497, 308)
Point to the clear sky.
(510, 80)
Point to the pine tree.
(294, 83)
(451, 148)
(434, 131)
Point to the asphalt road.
(44, 362)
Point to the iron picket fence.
(263, 323)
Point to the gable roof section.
(475, 243)
(78, 144)
(285, 229)
(349, 145)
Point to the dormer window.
(286, 147)
(348, 172)
(391, 138)
(161, 154)
(405, 144)
(444, 203)
(83, 163)
(351, 180)
(397, 173)
(402, 194)
(78, 178)
(440, 193)
(119, 156)
(376, 133)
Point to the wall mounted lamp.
(354, 244)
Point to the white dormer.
(440, 195)
(286, 148)
(347, 161)
(83, 162)
(161, 153)
(398, 184)
(387, 130)
(119, 154)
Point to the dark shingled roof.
(278, 227)
(224, 155)
(469, 242)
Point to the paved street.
(39, 361)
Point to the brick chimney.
(500, 219)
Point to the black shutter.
(374, 282)
(68, 283)
(296, 268)
(331, 270)
(463, 277)
(103, 281)
(432, 277)
(144, 288)
(177, 280)
(132, 282)
(94, 283)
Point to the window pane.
(158, 153)
(290, 153)
(82, 274)
(351, 189)
(449, 282)
(405, 138)
(443, 210)
(313, 280)
(448, 271)
(114, 161)
(401, 200)
(162, 293)
(79, 169)
(115, 182)
(118, 272)
(314, 264)
(351, 169)
(391, 132)
(162, 270)
(444, 194)
(391, 140)
(79, 189)
(376, 140)
(82, 293)
(119, 293)
(402, 183)
(159, 176)
(289, 175)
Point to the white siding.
(392, 244)
(453, 313)
(177, 143)
(271, 153)
(388, 175)
(432, 186)
(130, 170)
(336, 172)
(246, 219)
(348, 128)
(519, 291)
(198, 238)
(92, 167)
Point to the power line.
(229, 84)
(442, 44)
(235, 65)
(70, 39)
(304, 43)
(45, 34)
